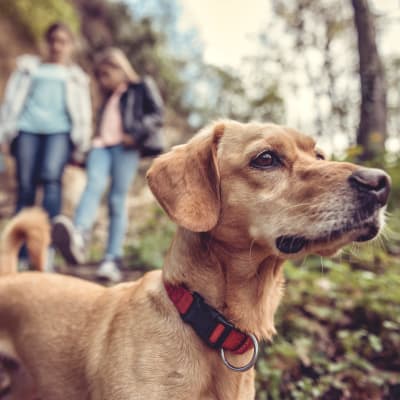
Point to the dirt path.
(88, 272)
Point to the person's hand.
(3, 148)
(78, 159)
(128, 140)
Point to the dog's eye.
(319, 156)
(264, 160)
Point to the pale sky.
(229, 28)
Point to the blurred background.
(330, 69)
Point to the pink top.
(110, 128)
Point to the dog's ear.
(185, 181)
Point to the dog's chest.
(156, 376)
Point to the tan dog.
(30, 226)
(245, 197)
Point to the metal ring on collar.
(250, 364)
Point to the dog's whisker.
(390, 232)
(304, 262)
(251, 247)
(322, 265)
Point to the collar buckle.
(208, 323)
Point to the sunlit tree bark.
(373, 112)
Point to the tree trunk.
(372, 129)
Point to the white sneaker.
(49, 267)
(109, 270)
(23, 265)
(68, 240)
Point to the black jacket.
(142, 115)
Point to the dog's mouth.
(358, 232)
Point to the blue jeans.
(41, 159)
(120, 165)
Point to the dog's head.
(269, 185)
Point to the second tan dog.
(30, 226)
(246, 197)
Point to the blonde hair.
(116, 58)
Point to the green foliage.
(153, 242)
(33, 17)
(338, 331)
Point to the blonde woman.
(121, 133)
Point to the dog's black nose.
(373, 181)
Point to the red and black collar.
(210, 325)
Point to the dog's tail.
(32, 227)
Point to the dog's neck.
(245, 285)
